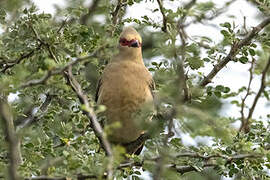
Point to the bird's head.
(130, 42)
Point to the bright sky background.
(234, 75)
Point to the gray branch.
(11, 138)
(233, 52)
(89, 112)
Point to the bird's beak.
(135, 43)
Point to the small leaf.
(219, 88)
(217, 93)
(243, 59)
(226, 89)
(252, 52)
(225, 33)
(226, 25)
(266, 95)
(195, 62)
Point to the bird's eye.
(123, 42)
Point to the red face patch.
(131, 43)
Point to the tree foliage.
(52, 62)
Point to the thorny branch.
(233, 51)
(89, 112)
(11, 138)
(245, 125)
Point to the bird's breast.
(124, 90)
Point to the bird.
(126, 90)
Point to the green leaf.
(266, 95)
(219, 88)
(225, 33)
(226, 24)
(243, 59)
(195, 62)
(135, 178)
(146, 18)
(252, 52)
(226, 89)
(25, 11)
(217, 93)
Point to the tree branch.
(34, 117)
(89, 112)
(47, 178)
(6, 65)
(116, 12)
(182, 76)
(48, 46)
(245, 125)
(182, 169)
(53, 72)
(248, 91)
(227, 158)
(161, 8)
(233, 51)
(11, 138)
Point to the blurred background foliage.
(59, 141)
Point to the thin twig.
(233, 52)
(161, 8)
(182, 76)
(9, 64)
(64, 22)
(247, 92)
(89, 112)
(245, 125)
(116, 12)
(58, 71)
(48, 46)
(227, 158)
